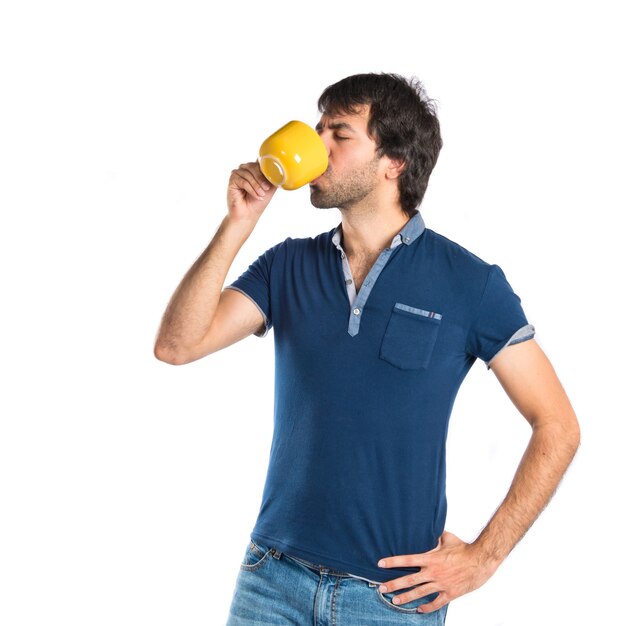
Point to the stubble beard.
(348, 191)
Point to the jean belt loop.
(276, 553)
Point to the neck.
(370, 233)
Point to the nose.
(324, 141)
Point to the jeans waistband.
(328, 570)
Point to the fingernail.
(383, 588)
(381, 563)
(266, 186)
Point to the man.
(376, 324)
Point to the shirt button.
(343, 256)
(349, 281)
(356, 311)
(408, 238)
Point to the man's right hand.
(249, 192)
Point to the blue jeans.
(275, 589)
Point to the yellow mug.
(293, 156)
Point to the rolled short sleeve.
(255, 283)
(500, 319)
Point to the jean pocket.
(410, 337)
(256, 556)
(410, 606)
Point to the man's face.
(354, 169)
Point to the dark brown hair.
(402, 121)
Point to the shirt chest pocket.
(410, 337)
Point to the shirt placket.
(357, 301)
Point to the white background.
(128, 487)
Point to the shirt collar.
(409, 233)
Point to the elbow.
(571, 431)
(569, 434)
(575, 435)
(563, 431)
(168, 355)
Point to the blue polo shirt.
(364, 387)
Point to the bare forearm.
(549, 453)
(192, 306)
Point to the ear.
(395, 168)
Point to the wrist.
(487, 557)
(239, 227)
(247, 222)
